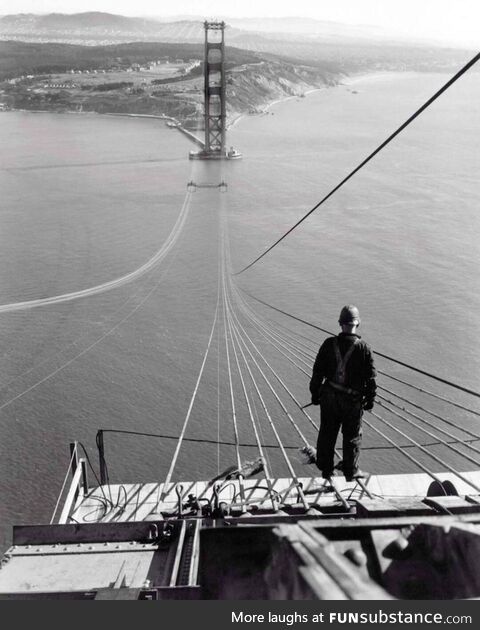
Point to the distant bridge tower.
(215, 97)
(214, 74)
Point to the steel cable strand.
(439, 440)
(268, 477)
(272, 339)
(400, 449)
(277, 327)
(315, 426)
(414, 424)
(234, 292)
(226, 276)
(380, 354)
(270, 333)
(292, 421)
(337, 452)
(273, 371)
(232, 397)
(112, 284)
(114, 327)
(445, 420)
(307, 375)
(277, 436)
(239, 299)
(455, 438)
(269, 418)
(282, 384)
(436, 443)
(261, 321)
(291, 334)
(475, 436)
(417, 113)
(424, 450)
(165, 489)
(426, 391)
(306, 350)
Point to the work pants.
(339, 410)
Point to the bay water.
(86, 199)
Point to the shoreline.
(236, 119)
(343, 81)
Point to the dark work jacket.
(359, 373)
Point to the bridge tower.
(214, 89)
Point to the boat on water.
(231, 154)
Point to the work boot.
(328, 475)
(356, 475)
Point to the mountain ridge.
(93, 25)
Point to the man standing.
(343, 384)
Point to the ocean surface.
(87, 199)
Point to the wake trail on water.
(112, 284)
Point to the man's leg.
(352, 438)
(327, 436)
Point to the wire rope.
(417, 113)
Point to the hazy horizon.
(443, 21)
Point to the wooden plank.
(380, 508)
(453, 504)
(352, 582)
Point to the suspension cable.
(433, 98)
(268, 477)
(424, 450)
(189, 411)
(426, 431)
(249, 403)
(457, 440)
(292, 421)
(380, 354)
(269, 418)
(445, 420)
(426, 391)
(476, 436)
(401, 450)
(232, 398)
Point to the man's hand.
(315, 400)
(367, 405)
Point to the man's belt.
(343, 389)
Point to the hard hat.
(349, 315)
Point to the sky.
(449, 21)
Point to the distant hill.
(336, 47)
(110, 28)
(96, 27)
(23, 58)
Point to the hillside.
(126, 63)
(144, 78)
(20, 58)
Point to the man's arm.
(370, 382)
(318, 374)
